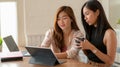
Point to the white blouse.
(71, 51)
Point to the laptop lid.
(42, 56)
(12, 46)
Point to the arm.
(73, 51)
(47, 39)
(110, 42)
(62, 55)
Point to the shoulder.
(110, 32)
(110, 35)
(49, 32)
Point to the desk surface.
(25, 63)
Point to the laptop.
(43, 56)
(12, 46)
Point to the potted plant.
(118, 24)
(1, 44)
(118, 21)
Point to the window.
(8, 21)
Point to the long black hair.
(102, 22)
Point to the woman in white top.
(61, 38)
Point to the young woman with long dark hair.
(100, 43)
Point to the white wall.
(114, 11)
(37, 16)
(105, 4)
(40, 13)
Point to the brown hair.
(58, 33)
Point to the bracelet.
(94, 51)
(68, 54)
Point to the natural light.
(8, 20)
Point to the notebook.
(43, 56)
(12, 46)
(11, 56)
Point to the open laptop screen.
(11, 44)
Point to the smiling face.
(90, 16)
(64, 21)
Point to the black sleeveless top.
(97, 41)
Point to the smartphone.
(78, 40)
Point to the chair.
(117, 58)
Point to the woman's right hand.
(85, 45)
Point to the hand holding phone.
(79, 39)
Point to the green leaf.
(1, 41)
(118, 21)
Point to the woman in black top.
(100, 43)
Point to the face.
(90, 16)
(64, 21)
